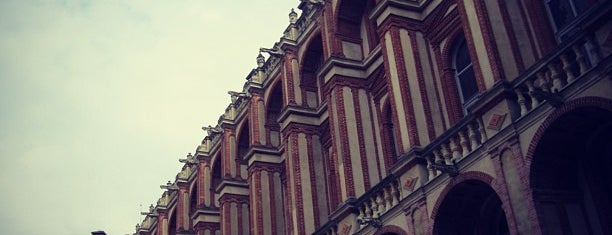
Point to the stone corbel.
(189, 160)
(237, 95)
(169, 186)
(212, 131)
(275, 51)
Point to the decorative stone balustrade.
(457, 143)
(545, 80)
(379, 200)
(305, 18)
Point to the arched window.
(311, 63)
(216, 179)
(244, 142)
(193, 199)
(389, 134)
(275, 105)
(464, 71)
(356, 31)
(172, 224)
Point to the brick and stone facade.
(362, 121)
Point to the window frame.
(458, 44)
(561, 32)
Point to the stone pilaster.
(351, 118)
(290, 73)
(203, 183)
(257, 119)
(306, 183)
(228, 154)
(182, 207)
(162, 222)
(266, 198)
(234, 214)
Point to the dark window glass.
(462, 58)
(468, 84)
(464, 73)
(563, 12)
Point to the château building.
(411, 117)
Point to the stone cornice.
(228, 186)
(264, 154)
(408, 9)
(352, 68)
(304, 116)
(235, 198)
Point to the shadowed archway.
(471, 207)
(570, 173)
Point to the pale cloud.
(100, 98)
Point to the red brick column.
(226, 200)
(256, 189)
(305, 192)
(162, 215)
(182, 194)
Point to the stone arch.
(274, 98)
(193, 195)
(589, 101)
(215, 161)
(417, 219)
(243, 142)
(215, 179)
(447, 49)
(447, 79)
(310, 62)
(354, 27)
(390, 230)
(274, 105)
(391, 142)
(472, 175)
(478, 199)
(172, 221)
(568, 161)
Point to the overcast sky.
(99, 100)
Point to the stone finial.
(292, 16)
(260, 60)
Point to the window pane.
(462, 58)
(561, 12)
(467, 81)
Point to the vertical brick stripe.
(422, 88)
(406, 98)
(346, 158)
(361, 141)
